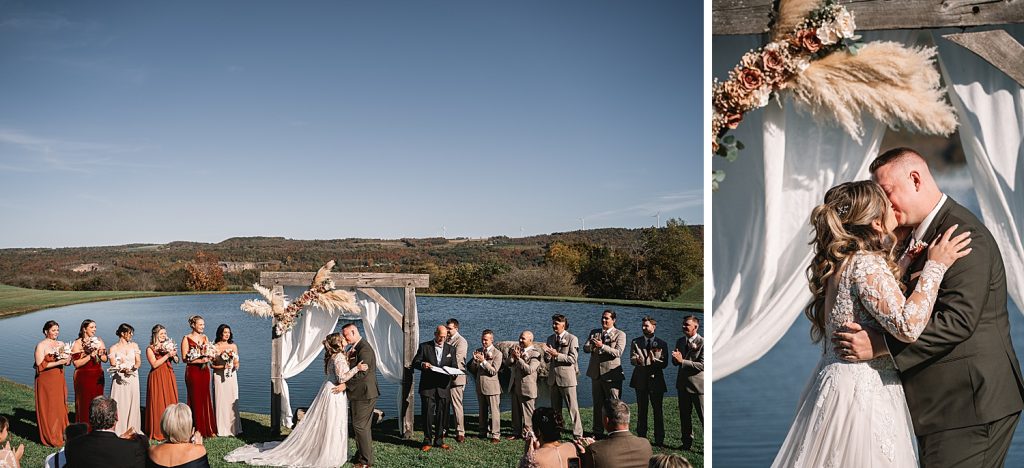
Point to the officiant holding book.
(432, 358)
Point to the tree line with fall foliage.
(647, 264)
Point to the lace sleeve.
(341, 368)
(879, 292)
(7, 459)
(529, 458)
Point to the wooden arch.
(365, 283)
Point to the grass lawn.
(17, 403)
(14, 300)
(693, 295)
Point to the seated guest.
(620, 449)
(668, 460)
(71, 431)
(8, 456)
(103, 447)
(184, 447)
(543, 447)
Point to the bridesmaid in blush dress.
(124, 383)
(194, 347)
(225, 383)
(86, 353)
(162, 387)
(51, 391)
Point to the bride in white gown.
(321, 438)
(855, 414)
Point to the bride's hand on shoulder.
(946, 249)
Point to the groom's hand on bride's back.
(854, 343)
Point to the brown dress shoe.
(426, 448)
(495, 441)
(460, 438)
(445, 446)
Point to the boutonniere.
(693, 346)
(915, 249)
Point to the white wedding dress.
(320, 439)
(855, 414)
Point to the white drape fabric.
(303, 343)
(760, 230)
(991, 109)
(299, 348)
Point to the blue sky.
(150, 122)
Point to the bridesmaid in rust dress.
(50, 388)
(198, 354)
(86, 354)
(161, 387)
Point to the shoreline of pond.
(34, 300)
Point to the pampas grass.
(791, 13)
(897, 85)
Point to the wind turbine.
(521, 232)
(657, 215)
(584, 223)
(444, 232)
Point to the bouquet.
(121, 367)
(202, 351)
(91, 344)
(229, 357)
(164, 348)
(60, 351)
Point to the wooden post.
(409, 326)
(275, 372)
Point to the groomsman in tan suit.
(461, 346)
(649, 355)
(485, 365)
(689, 356)
(605, 346)
(562, 352)
(525, 360)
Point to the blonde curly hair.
(333, 344)
(842, 227)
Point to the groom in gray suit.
(961, 377)
(362, 395)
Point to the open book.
(446, 370)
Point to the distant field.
(19, 300)
(14, 300)
(675, 305)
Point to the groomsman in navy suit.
(435, 395)
(649, 356)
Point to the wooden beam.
(410, 327)
(729, 17)
(997, 47)
(387, 306)
(275, 372)
(345, 280)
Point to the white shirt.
(923, 227)
(438, 349)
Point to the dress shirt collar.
(923, 227)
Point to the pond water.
(755, 406)
(507, 318)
